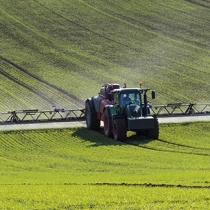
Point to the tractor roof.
(124, 90)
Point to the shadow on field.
(137, 140)
(98, 138)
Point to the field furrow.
(25, 86)
(52, 96)
(32, 77)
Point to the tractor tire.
(154, 133)
(91, 118)
(119, 129)
(140, 133)
(107, 124)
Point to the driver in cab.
(126, 99)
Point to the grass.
(81, 169)
(81, 45)
(60, 53)
(106, 197)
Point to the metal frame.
(180, 109)
(36, 115)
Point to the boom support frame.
(173, 109)
(35, 115)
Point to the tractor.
(121, 110)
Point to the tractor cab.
(132, 101)
(129, 101)
(126, 96)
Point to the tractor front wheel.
(154, 133)
(119, 129)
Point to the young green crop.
(102, 197)
(78, 46)
(79, 168)
(60, 54)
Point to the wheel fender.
(108, 110)
(112, 111)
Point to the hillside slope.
(60, 53)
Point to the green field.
(81, 169)
(61, 52)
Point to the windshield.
(130, 97)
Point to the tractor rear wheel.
(107, 124)
(154, 133)
(91, 118)
(119, 129)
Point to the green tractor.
(121, 110)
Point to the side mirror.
(153, 94)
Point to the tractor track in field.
(165, 150)
(81, 26)
(72, 97)
(2, 72)
(199, 4)
(182, 145)
(147, 26)
(119, 185)
(153, 185)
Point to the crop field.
(81, 169)
(63, 52)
